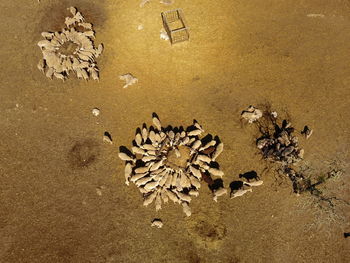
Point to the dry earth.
(62, 191)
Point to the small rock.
(95, 111)
(140, 27)
(107, 137)
(99, 190)
(157, 223)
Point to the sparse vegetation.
(325, 205)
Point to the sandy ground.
(55, 209)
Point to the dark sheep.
(236, 185)
(250, 175)
(207, 178)
(217, 184)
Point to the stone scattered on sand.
(70, 50)
(140, 27)
(251, 114)
(129, 80)
(167, 163)
(157, 223)
(95, 112)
